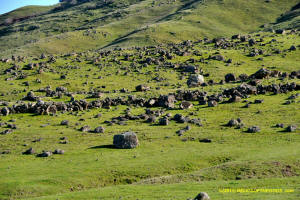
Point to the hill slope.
(102, 24)
(209, 114)
(195, 151)
(290, 19)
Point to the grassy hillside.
(290, 19)
(95, 24)
(165, 165)
(24, 12)
(83, 71)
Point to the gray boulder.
(64, 123)
(5, 111)
(58, 151)
(127, 140)
(85, 129)
(99, 129)
(45, 154)
(212, 103)
(142, 88)
(291, 128)
(230, 77)
(164, 121)
(232, 122)
(195, 80)
(186, 105)
(28, 151)
(202, 196)
(253, 129)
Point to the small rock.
(205, 140)
(85, 129)
(257, 101)
(64, 122)
(202, 196)
(45, 154)
(232, 122)
(5, 132)
(230, 78)
(164, 121)
(280, 125)
(99, 129)
(142, 88)
(29, 151)
(58, 151)
(212, 103)
(195, 80)
(291, 128)
(253, 129)
(186, 105)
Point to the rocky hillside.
(290, 19)
(159, 122)
(83, 25)
(142, 99)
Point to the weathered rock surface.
(127, 140)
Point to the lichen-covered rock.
(195, 80)
(127, 140)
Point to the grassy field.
(164, 166)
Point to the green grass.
(24, 12)
(190, 190)
(164, 166)
(137, 23)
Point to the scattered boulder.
(232, 123)
(230, 78)
(45, 154)
(64, 123)
(151, 119)
(205, 140)
(218, 57)
(279, 125)
(127, 140)
(164, 121)
(253, 129)
(99, 115)
(29, 151)
(142, 88)
(190, 68)
(186, 105)
(291, 128)
(195, 80)
(258, 101)
(5, 111)
(261, 74)
(31, 97)
(280, 31)
(99, 129)
(212, 103)
(202, 196)
(85, 128)
(292, 48)
(166, 101)
(235, 99)
(180, 118)
(5, 132)
(252, 42)
(58, 151)
(12, 126)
